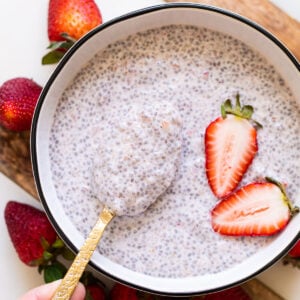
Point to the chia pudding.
(194, 70)
(138, 154)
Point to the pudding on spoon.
(137, 157)
(134, 164)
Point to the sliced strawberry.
(230, 146)
(256, 209)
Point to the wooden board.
(15, 160)
(266, 14)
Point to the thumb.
(46, 291)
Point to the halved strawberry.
(230, 146)
(260, 208)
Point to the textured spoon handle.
(70, 281)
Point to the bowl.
(198, 55)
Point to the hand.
(45, 292)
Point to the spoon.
(71, 279)
(146, 139)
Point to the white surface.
(15, 276)
(23, 33)
(292, 7)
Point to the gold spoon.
(164, 119)
(71, 279)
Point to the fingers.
(46, 291)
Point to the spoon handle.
(70, 281)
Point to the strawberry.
(18, 98)
(123, 292)
(295, 251)
(230, 146)
(29, 230)
(95, 292)
(293, 256)
(260, 208)
(69, 20)
(235, 293)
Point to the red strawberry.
(69, 20)
(95, 292)
(18, 98)
(74, 17)
(123, 292)
(29, 230)
(256, 209)
(295, 251)
(230, 146)
(236, 293)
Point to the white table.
(23, 35)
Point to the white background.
(23, 36)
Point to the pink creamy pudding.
(191, 71)
(138, 154)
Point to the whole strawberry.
(69, 20)
(18, 98)
(30, 231)
(74, 17)
(94, 292)
(123, 292)
(293, 256)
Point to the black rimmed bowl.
(79, 55)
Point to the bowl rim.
(58, 69)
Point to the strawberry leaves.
(245, 111)
(58, 49)
(54, 271)
(49, 264)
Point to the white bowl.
(85, 49)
